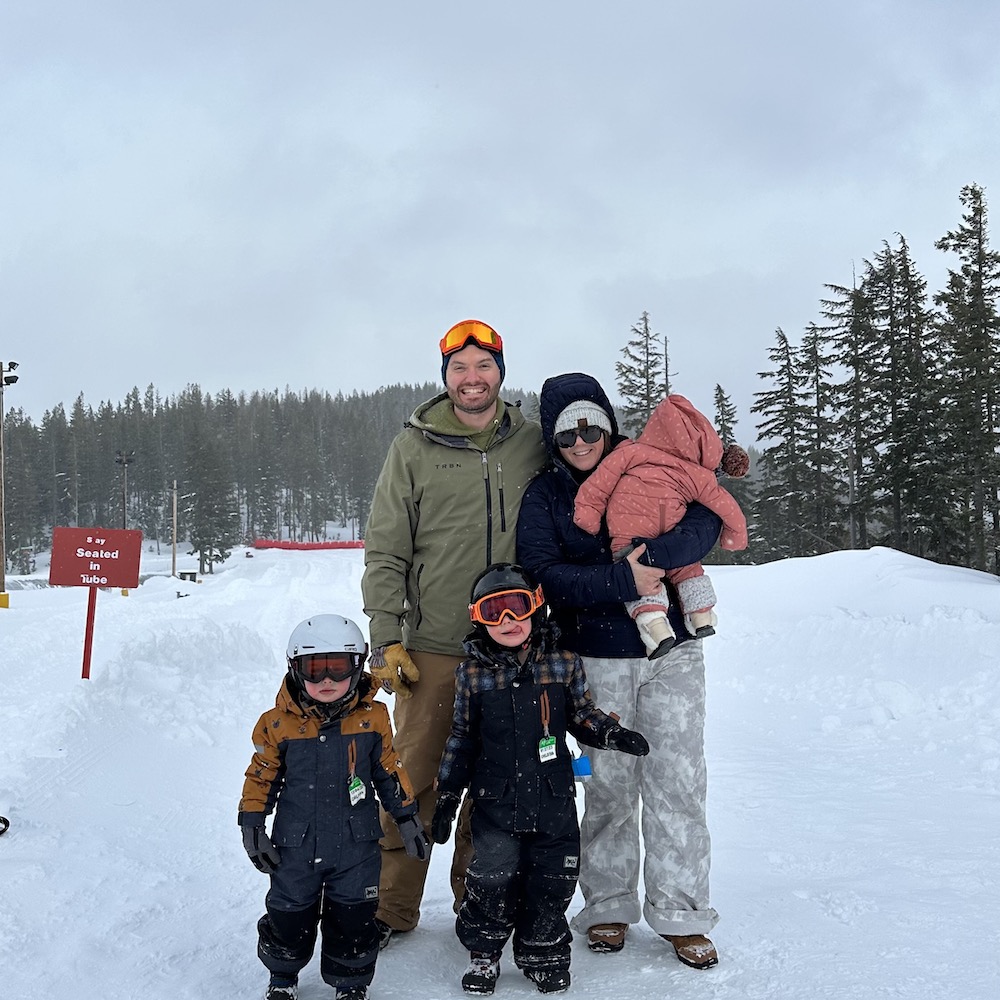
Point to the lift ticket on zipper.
(547, 748)
(356, 790)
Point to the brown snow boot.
(694, 950)
(606, 937)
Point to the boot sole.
(707, 964)
(604, 946)
(662, 650)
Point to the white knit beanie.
(585, 411)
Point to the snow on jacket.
(585, 589)
(644, 487)
(301, 767)
(444, 508)
(502, 710)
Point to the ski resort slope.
(854, 761)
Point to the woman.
(663, 698)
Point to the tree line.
(267, 464)
(879, 426)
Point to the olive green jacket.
(445, 506)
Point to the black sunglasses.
(590, 434)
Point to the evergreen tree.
(780, 508)
(151, 486)
(55, 491)
(970, 326)
(824, 487)
(642, 376)
(89, 486)
(213, 517)
(860, 419)
(913, 464)
(21, 489)
(264, 489)
(725, 416)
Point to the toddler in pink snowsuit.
(643, 488)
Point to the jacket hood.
(561, 390)
(677, 427)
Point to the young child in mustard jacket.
(321, 756)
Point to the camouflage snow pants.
(664, 699)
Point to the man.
(445, 506)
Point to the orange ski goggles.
(471, 329)
(517, 603)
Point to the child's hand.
(444, 815)
(262, 852)
(626, 740)
(415, 841)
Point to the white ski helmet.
(326, 634)
(330, 634)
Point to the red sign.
(95, 557)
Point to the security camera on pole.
(6, 367)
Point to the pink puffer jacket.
(644, 486)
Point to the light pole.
(6, 379)
(124, 459)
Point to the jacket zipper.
(503, 508)
(489, 506)
(489, 510)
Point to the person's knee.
(287, 936)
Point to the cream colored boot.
(701, 623)
(655, 632)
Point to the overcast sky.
(255, 195)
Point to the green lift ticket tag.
(356, 789)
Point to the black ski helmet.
(502, 576)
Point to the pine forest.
(877, 425)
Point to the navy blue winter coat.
(502, 709)
(585, 589)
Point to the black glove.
(262, 852)
(444, 815)
(627, 740)
(415, 841)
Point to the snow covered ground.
(854, 759)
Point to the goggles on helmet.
(315, 667)
(471, 329)
(518, 603)
(588, 434)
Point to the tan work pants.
(422, 724)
